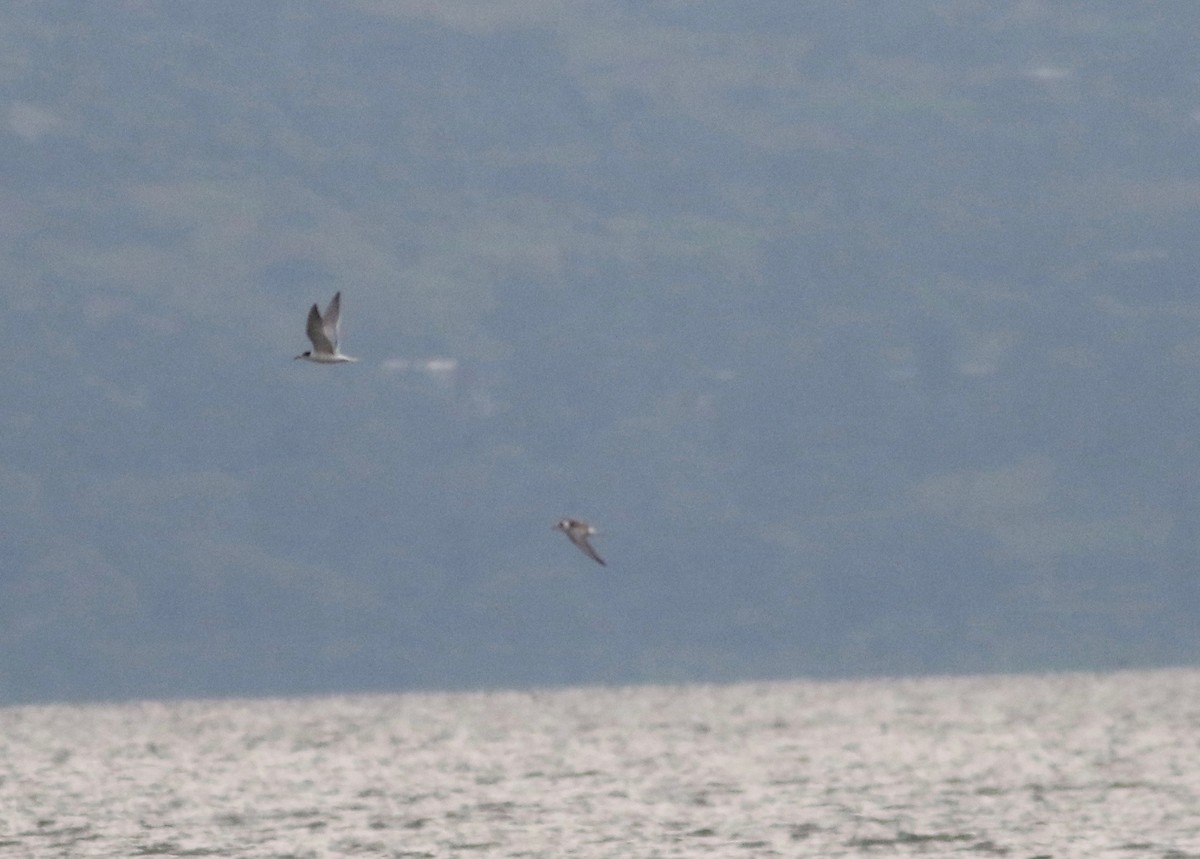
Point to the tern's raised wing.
(333, 320)
(316, 331)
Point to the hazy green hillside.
(870, 342)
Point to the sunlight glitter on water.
(1067, 765)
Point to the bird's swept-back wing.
(581, 540)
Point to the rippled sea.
(1077, 765)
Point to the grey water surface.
(1049, 765)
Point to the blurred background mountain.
(868, 336)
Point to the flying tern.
(323, 332)
(577, 532)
